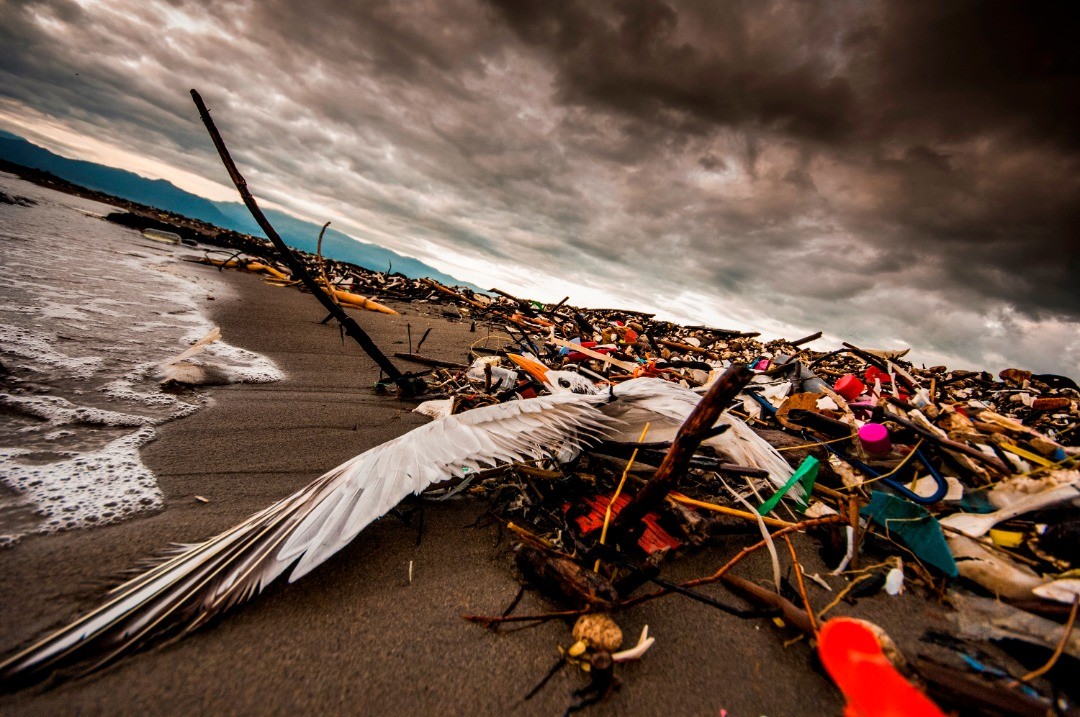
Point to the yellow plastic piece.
(1006, 538)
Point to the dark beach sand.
(355, 637)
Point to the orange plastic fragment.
(654, 537)
(853, 656)
(347, 297)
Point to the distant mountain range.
(227, 215)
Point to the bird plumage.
(304, 529)
(666, 406)
(301, 531)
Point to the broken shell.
(599, 631)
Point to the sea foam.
(89, 313)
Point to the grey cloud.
(795, 160)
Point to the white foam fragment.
(243, 366)
(124, 390)
(60, 411)
(94, 488)
(86, 320)
(35, 347)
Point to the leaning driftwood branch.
(697, 428)
(404, 383)
(322, 264)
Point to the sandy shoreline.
(355, 636)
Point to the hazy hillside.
(305, 235)
(228, 215)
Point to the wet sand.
(355, 636)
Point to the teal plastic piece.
(914, 525)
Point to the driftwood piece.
(973, 692)
(687, 348)
(428, 361)
(405, 384)
(697, 428)
(450, 292)
(791, 613)
(806, 339)
(564, 580)
(524, 306)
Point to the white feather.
(304, 529)
(307, 527)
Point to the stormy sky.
(894, 173)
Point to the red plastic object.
(849, 386)
(653, 539)
(575, 356)
(850, 652)
(874, 372)
(875, 438)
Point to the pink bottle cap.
(875, 438)
(849, 386)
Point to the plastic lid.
(849, 386)
(875, 438)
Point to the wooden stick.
(322, 264)
(687, 348)
(427, 361)
(1060, 647)
(697, 426)
(404, 383)
(801, 584)
(450, 292)
(806, 339)
(788, 610)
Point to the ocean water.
(90, 312)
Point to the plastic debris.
(974, 474)
(854, 658)
(914, 525)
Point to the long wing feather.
(304, 529)
(645, 399)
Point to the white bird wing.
(645, 399)
(304, 529)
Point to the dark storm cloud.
(956, 109)
(632, 56)
(891, 172)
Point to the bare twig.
(404, 383)
(322, 264)
(739, 557)
(802, 585)
(491, 620)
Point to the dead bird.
(666, 406)
(197, 582)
